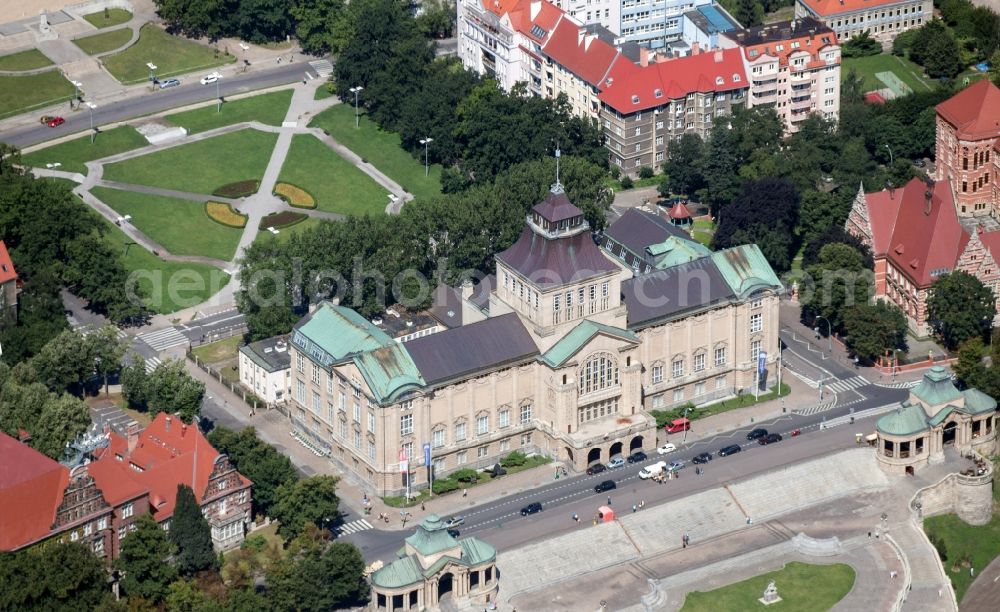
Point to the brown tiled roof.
(974, 111)
(689, 286)
(557, 207)
(637, 229)
(548, 262)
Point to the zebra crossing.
(846, 385)
(353, 527)
(163, 339)
(901, 385)
(322, 67)
(151, 364)
(816, 409)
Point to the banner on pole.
(404, 461)
(427, 453)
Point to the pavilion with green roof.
(936, 415)
(433, 565)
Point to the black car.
(702, 458)
(757, 433)
(730, 450)
(607, 485)
(637, 457)
(769, 439)
(531, 509)
(597, 468)
(453, 533)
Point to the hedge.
(278, 220)
(294, 195)
(223, 213)
(241, 189)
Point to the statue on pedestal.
(770, 595)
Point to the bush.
(465, 475)
(514, 459)
(295, 196)
(285, 218)
(445, 485)
(627, 182)
(615, 172)
(862, 45)
(223, 213)
(241, 189)
(645, 172)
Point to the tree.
(766, 212)
(185, 596)
(63, 420)
(861, 45)
(437, 19)
(874, 328)
(257, 460)
(65, 362)
(720, 168)
(318, 577)
(108, 350)
(837, 282)
(934, 48)
(144, 561)
(995, 68)
(959, 308)
(682, 170)
(852, 87)
(59, 576)
(309, 501)
(970, 369)
(190, 534)
(52, 420)
(315, 23)
(168, 388)
(749, 13)
(260, 21)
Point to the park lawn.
(156, 276)
(222, 350)
(801, 586)
(285, 233)
(202, 166)
(74, 153)
(171, 55)
(380, 148)
(104, 42)
(333, 181)
(23, 93)
(180, 226)
(269, 109)
(25, 60)
(115, 16)
(323, 92)
(868, 67)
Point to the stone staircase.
(926, 574)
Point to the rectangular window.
(459, 432)
(699, 389)
(343, 430)
(482, 451)
(720, 356)
(754, 350)
(329, 383)
(678, 395)
(657, 374)
(699, 362)
(677, 368)
(525, 439)
(504, 418)
(317, 403)
(756, 322)
(357, 412)
(342, 402)
(300, 363)
(371, 450)
(121, 533)
(525, 413)
(300, 391)
(406, 424)
(102, 523)
(461, 458)
(371, 422)
(482, 425)
(127, 510)
(657, 401)
(357, 439)
(315, 374)
(504, 445)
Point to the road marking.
(163, 339)
(151, 364)
(840, 386)
(353, 527)
(322, 67)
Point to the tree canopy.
(257, 460)
(872, 329)
(144, 561)
(58, 576)
(168, 388)
(303, 502)
(190, 534)
(960, 307)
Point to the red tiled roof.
(874, 97)
(7, 271)
(917, 238)
(587, 56)
(836, 7)
(31, 489)
(679, 211)
(991, 240)
(519, 12)
(808, 44)
(719, 70)
(974, 111)
(166, 453)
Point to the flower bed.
(241, 189)
(223, 213)
(282, 219)
(295, 196)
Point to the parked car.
(54, 121)
(453, 533)
(653, 469)
(208, 79)
(757, 433)
(616, 462)
(730, 450)
(637, 457)
(675, 465)
(531, 509)
(597, 468)
(769, 439)
(607, 485)
(666, 449)
(44, 120)
(702, 458)
(455, 521)
(169, 83)
(919, 163)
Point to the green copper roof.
(578, 337)
(936, 388)
(332, 333)
(746, 270)
(475, 552)
(905, 420)
(941, 415)
(431, 537)
(976, 401)
(389, 371)
(675, 251)
(401, 572)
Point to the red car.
(55, 121)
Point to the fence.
(237, 388)
(222, 334)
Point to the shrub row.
(285, 218)
(241, 189)
(295, 196)
(223, 213)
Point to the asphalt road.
(189, 92)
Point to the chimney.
(718, 56)
(892, 191)
(927, 201)
(133, 436)
(167, 421)
(466, 289)
(643, 56)
(694, 48)
(184, 429)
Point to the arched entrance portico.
(593, 455)
(446, 584)
(616, 449)
(635, 444)
(948, 433)
(570, 458)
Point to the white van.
(652, 470)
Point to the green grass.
(284, 234)
(700, 412)
(23, 93)
(382, 149)
(25, 60)
(221, 350)
(868, 67)
(269, 109)
(200, 167)
(180, 226)
(334, 182)
(104, 42)
(323, 92)
(73, 153)
(703, 231)
(802, 587)
(171, 54)
(115, 17)
(155, 275)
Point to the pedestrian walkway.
(162, 339)
(352, 527)
(151, 364)
(840, 386)
(816, 409)
(323, 68)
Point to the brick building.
(9, 286)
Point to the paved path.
(984, 594)
(168, 193)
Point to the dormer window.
(753, 53)
(658, 93)
(719, 80)
(736, 78)
(635, 99)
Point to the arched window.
(599, 372)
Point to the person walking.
(465, 492)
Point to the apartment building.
(9, 288)
(606, 13)
(882, 19)
(794, 68)
(654, 23)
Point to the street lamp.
(357, 117)
(829, 332)
(684, 439)
(76, 87)
(886, 145)
(218, 98)
(425, 142)
(93, 132)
